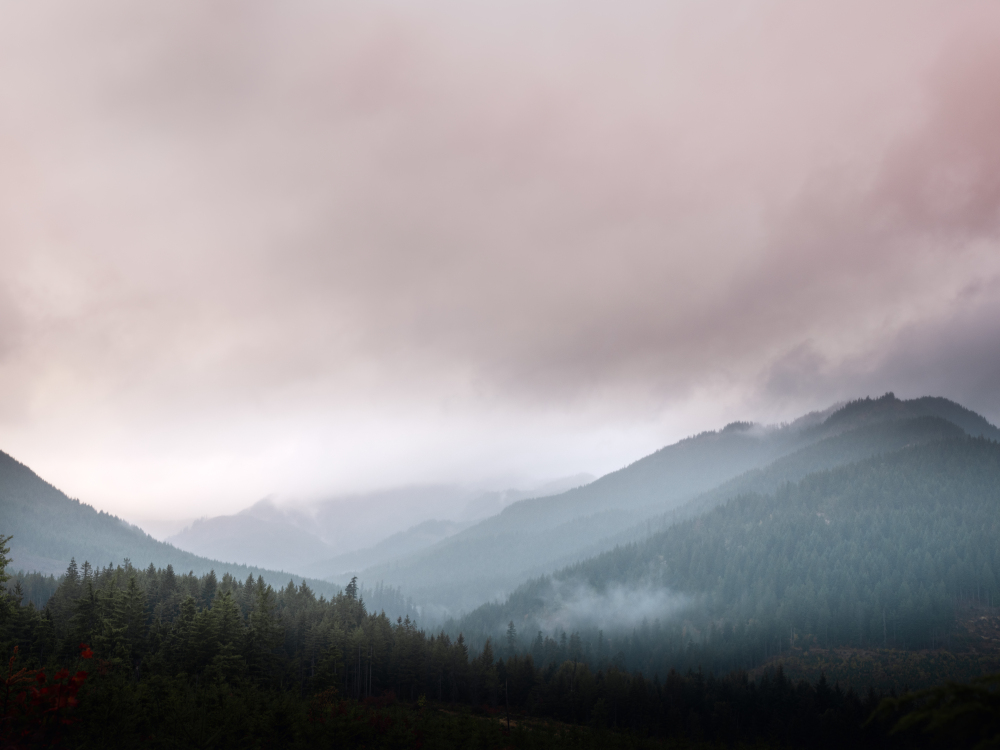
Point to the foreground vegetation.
(121, 657)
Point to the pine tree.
(177, 647)
(134, 620)
(511, 639)
(208, 589)
(6, 606)
(264, 634)
(86, 620)
(169, 581)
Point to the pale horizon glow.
(317, 248)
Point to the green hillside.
(868, 438)
(537, 536)
(49, 529)
(876, 554)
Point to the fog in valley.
(633, 366)
(574, 606)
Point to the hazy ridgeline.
(872, 555)
(823, 546)
(868, 549)
(534, 537)
(531, 537)
(48, 529)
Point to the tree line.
(164, 654)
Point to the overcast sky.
(316, 247)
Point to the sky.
(308, 248)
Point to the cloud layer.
(253, 248)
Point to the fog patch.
(577, 605)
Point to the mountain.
(536, 536)
(875, 554)
(867, 439)
(403, 543)
(333, 537)
(249, 538)
(49, 528)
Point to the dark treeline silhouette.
(36, 588)
(172, 658)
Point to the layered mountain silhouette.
(335, 536)
(879, 553)
(49, 529)
(456, 564)
(537, 536)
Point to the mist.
(575, 605)
(419, 351)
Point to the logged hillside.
(534, 537)
(49, 528)
(874, 554)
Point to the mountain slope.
(266, 542)
(407, 542)
(875, 553)
(537, 536)
(338, 535)
(888, 407)
(49, 528)
(869, 438)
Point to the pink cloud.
(218, 212)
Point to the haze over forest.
(642, 358)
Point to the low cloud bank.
(577, 605)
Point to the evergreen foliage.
(161, 664)
(536, 536)
(872, 555)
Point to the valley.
(856, 547)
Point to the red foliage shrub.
(381, 701)
(37, 714)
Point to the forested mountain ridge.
(49, 528)
(861, 441)
(867, 438)
(694, 465)
(872, 554)
(888, 407)
(534, 537)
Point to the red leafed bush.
(37, 710)
(381, 701)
